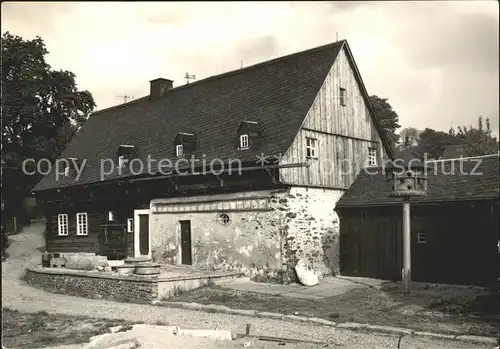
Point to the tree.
(408, 137)
(40, 106)
(433, 143)
(387, 117)
(478, 141)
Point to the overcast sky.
(436, 62)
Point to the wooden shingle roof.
(446, 183)
(277, 94)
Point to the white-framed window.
(121, 161)
(342, 96)
(130, 225)
(311, 151)
(422, 237)
(372, 157)
(82, 227)
(62, 224)
(244, 143)
(179, 150)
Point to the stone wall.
(248, 243)
(130, 288)
(311, 227)
(267, 231)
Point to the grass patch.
(36, 330)
(433, 308)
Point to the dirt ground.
(57, 331)
(36, 330)
(432, 308)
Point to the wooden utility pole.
(406, 272)
(411, 181)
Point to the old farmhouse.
(454, 228)
(275, 145)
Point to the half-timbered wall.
(343, 133)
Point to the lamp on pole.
(408, 179)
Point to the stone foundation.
(130, 288)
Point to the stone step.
(133, 260)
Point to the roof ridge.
(230, 73)
(256, 65)
(468, 157)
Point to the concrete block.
(295, 318)
(268, 315)
(478, 339)
(166, 331)
(170, 304)
(220, 335)
(193, 306)
(389, 329)
(352, 326)
(316, 320)
(128, 345)
(115, 329)
(434, 335)
(243, 312)
(215, 308)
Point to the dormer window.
(179, 150)
(185, 144)
(70, 166)
(125, 153)
(244, 144)
(121, 161)
(249, 134)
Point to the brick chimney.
(159, 87)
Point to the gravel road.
(17, 295)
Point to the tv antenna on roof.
(126, 98)
(189, 77)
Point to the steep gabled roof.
(446, 183)
(456, 151)
(277, 94)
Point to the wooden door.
(425, 267)
(186, 242)
(144, 234)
